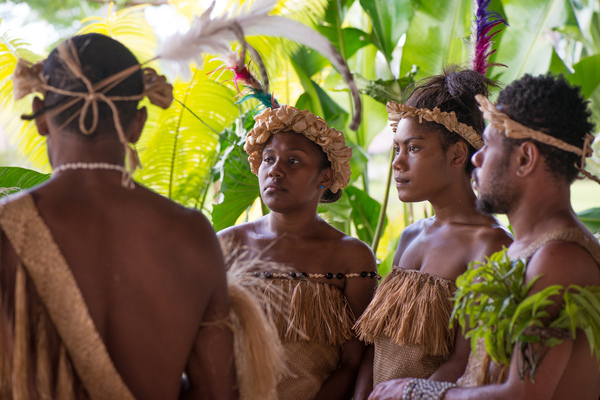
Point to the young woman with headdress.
(301, 162)
(435, 134)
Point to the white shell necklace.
(89, 166)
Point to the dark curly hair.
(454, 90)
(100, 57)
(548, 103)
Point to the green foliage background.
(192, 153)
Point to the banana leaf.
(389, 20)
(14, 179)
(525, 46)
(591, 218)
(239, 187)
(435, 36)
(364, 214)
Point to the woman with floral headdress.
(435, 134)
(301, 162)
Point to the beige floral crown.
(514, 130)
(28, 78)
(287, 118)
(448, 120)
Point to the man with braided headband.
(301, 162)
(97, 301)
(534, 148)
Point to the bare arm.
(211, 366)
(550, 375)
(453, 369)
(358, 292)
(490, 242)
(364, 382)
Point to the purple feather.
(481, 37)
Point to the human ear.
(528, 155)
(137, 126)
(41, 120)
(326, 178)
(459, 153)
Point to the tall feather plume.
(481, 38)
(253, 88)
(213, 34)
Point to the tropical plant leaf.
(353, 38)
(389, 20)
(332, 113)
(384, 91)
(20, 133)
(239, 187)
(591, 218)
(524, 47)
(182, 149)
(128, 26)
(365, 213)
(586, 74)
(435, 36)
(13, 179)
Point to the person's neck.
(293, 224)
(456, 205)
(69, 148)
(540, 210)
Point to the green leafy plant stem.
(386, 195)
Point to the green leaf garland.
(492, 304)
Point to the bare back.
(150, 273)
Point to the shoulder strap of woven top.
(58, 290)
(574, 235)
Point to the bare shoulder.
(359, 255)
(411, 231)
(186, 230)
(237, 233)
(353, 253)
(490, 239)
(563, 263)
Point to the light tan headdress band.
(29, 78)
(447, 119)
(515, 130)
(287, 118)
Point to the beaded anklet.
(328, 275)
(423, 389)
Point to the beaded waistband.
(328, 275)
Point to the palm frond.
(128, 26)
(178, 154)
(21, 134)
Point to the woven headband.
(447, 119)
(28, 78)
(514, 130)
(290, 119)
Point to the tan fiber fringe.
(317, 312)
(411, 307)
(574, 235)
(299, 309)
(258, 350)
(57, 290)
(5, 377)
(259, 353)
(21, 338)
(43, 378)
(492, 373)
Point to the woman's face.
(290, 173)
(420, 163)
